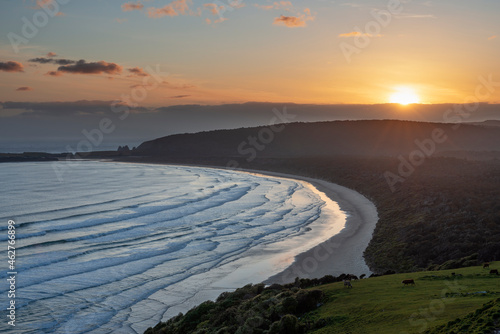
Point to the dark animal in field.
(347, 284)
(486, 265)
(494, 271)
(408, 282)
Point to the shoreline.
(343, 252)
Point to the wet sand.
(343, 253)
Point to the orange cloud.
(53, 73)
(129, 6)
(168, 10)
(265, 7)
(51, 54)
(138, 72)
(181, 6)
(214, 9)
(172, 9)
(11, 66)
(287, 5)
(42, 3)
(222, 19)
(297, 20)
(492, 37)
(290, 21)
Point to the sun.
(404, 96)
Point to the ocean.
(116, 247)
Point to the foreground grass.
(465, 300)
(384, 305)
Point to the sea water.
(104, 247)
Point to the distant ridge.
(370, 138)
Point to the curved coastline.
(342, 253)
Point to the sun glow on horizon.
(404, 96)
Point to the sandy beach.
(343, 253)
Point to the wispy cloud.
(295, 21)
(174, 8)
(39, 4)
(283, 5)
(357, 34)
(48, 4)
(53, 73)
(222, 19)
(83, 107)
(416, 16)
(24, 89)
(179, 96)
(296, 18)
(290, 21)
(351, 4)
(130, 6)
(42, 60)
(213, 8)
(185, 7)
(137, 72)
(492, 37)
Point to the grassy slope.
(384, 305)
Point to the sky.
(157, 53)
(67, 65)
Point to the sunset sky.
(208, 52)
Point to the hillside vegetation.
(361, 138)
(465, 300)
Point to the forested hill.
(361, 138)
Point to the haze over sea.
(118, 247)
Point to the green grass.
(383, 305)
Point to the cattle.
(408, 282)
(494, 271)
(347, 284)
(486, 265)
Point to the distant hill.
(360, 138)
